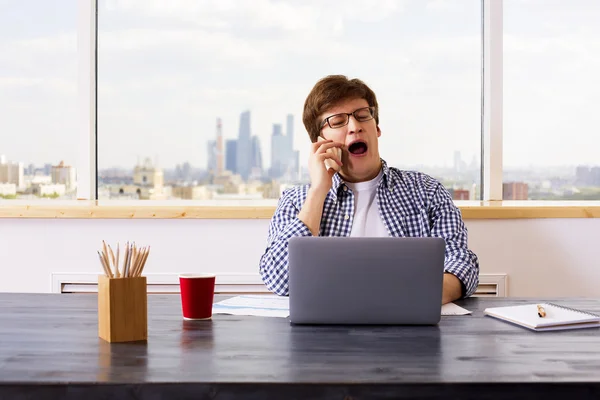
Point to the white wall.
(542, 257)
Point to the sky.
(168, 70)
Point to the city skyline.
(147, 181)
(160, 90)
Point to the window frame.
(491, 100)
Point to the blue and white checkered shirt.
(411, 204)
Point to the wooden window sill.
(83, 209)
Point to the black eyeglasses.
(339, 120)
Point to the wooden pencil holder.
(122, 309)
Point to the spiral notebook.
(557, 317)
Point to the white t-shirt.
(367, 221)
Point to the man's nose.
(353, 125)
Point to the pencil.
(126, 261)
(114, 262)
(541, 311)
(134, 261)
(103, 264)
(144, 260)
(117, 263)
(105, 255)
(106, 260)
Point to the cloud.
(55, 52)
(219, 14)
(441, 5)
(171, 67)
(299, 16)
(266, 61)
(212, 48)
(56, 86)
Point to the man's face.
(360, 150)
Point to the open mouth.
(357, 148)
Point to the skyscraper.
(219, 148)
(284, 160)
(211, 153)
(279, 152)
(289, 131)
(457, 161)
(244, 147)
(231, 155)
(256, 161)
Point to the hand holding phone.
(331, 164)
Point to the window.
(38, 98)
(551, 100)
(203, 100)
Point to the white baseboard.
(490, 285)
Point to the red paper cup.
(197, 293)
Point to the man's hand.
(320, 177)
(320, 183)
(452, 289)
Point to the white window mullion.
(86, 52)
(492, 99)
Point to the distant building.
(11, 172)
(582, 175)
(64, 174)
(457, 162)
(228, 179)
(515, 191)
(279, 152)
(191, 193)
(595, 176)
(244, 147)
(285, 161)
(55, 189)
(147, 174)
(231, 155)
(587, 176)
(460, 194)
(183, 172)
(148, 182)
(8, 189)
(289, 131)
(211, 153)
(219, 151)
(256, 161)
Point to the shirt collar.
(338, 182)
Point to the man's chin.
(358, 174)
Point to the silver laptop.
(370, 280)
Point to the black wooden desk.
(49, 348)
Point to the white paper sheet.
(453, 309)
(278, 306)
(258, 305)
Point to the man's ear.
(378, 131)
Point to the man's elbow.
(280, 290)
(274, 284)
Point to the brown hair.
(327, 93)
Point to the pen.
(541, 311)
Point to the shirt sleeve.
(447, 223)
(284, 225)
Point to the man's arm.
(452, 289)
(461, 265)
(287, 222)
(312, 211)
